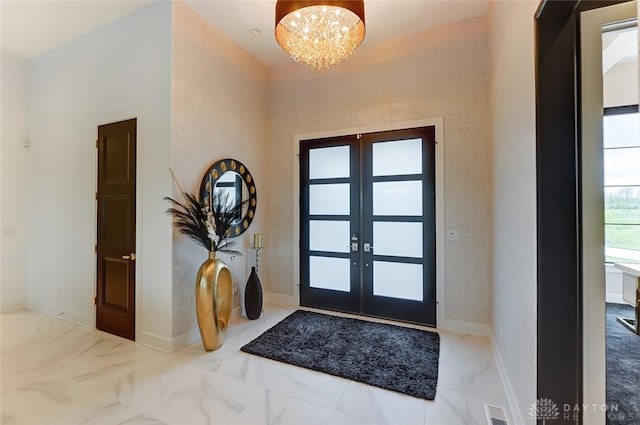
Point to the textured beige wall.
(219, 97)
(514, 195)
(439, 73)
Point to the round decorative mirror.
(231, 179)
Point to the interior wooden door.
(116, 222)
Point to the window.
(621, 140)
(621, 131)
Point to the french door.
(367, 220)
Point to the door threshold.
(368, 318)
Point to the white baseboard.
(464, 327)
(170, 345)
(9, 307)
(281, 299)
(514, 409)
(156, 342)
(70, 316)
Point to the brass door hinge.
(96, 196)
(95, 248)
(97, 143)
(95, 300)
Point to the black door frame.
(395, 309)
(559, 186)
(361, 145)
(309, 296)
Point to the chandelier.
(319, 33)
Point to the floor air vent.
(495, 415)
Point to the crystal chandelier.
(319, 33)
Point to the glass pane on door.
(397, 198)
(330, 273)
(329, 236)
(396, 158)
(329, 199)
(397, 239)
(327, 163)
(397, 280)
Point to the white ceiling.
(384, 19)
(619, 47)
(31, 28)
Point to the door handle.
(132, 256)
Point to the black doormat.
(623, 368)
(391, 357)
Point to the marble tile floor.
(53, 372)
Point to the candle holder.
(253, 290)
(257, 245)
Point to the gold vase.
(214, 291)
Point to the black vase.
(253, 296)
